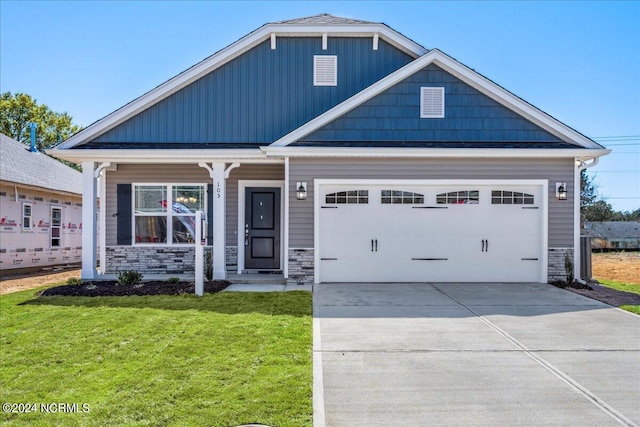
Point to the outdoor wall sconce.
(561, 190)
(301, 190)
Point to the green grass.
(626, 287)
(224, 359)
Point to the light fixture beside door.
(301, 190)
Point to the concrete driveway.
(472, 354)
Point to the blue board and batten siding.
(261, 95)
(394, 115)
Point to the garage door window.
(348, 197)
(499, 197)
(395, 197)
(459, 198)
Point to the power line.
(619, 171)
(617, 137)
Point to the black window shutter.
(124, 214)
(209, 214)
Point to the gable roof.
(21, 166)
(612, 229)
(459, 70)
(330, 25)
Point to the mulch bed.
(114, 289)
(601, 293)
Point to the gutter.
(577, 261)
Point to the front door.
(262, 228)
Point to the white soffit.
(460, 71)
(266, 32)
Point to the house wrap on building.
(334, 150)
(40, 209)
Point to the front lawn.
(225, 359)
(626, 287)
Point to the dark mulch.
(601, 293)
(114, 289)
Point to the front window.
(26, 216)
(165, 214)
(56, 227)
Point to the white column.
(89, 221)
(102, 181)
(286, 219)
(219, 221)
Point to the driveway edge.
(318, 384)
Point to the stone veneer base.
(556, 268)
(300, 266)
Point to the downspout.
(577, 262)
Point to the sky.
(577, 61)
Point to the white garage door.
(429, 233)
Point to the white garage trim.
(543, 205)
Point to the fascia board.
(457, 69)
(161, 156)
(475, 153)
(364, 30)
(225, 55)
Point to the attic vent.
(325, 70)
(431, 102)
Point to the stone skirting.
(557, 268)
(160, 259)
(232, 258)
(300, 267)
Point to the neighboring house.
(335, 150)
(40, 209)
(613, 234)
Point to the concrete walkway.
(472, 354)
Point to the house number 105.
(218, 191)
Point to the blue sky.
(577, 61)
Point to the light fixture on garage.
(561, 190)
(301, 192)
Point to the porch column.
(219, 221)
(89, 221)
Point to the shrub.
(174, 280)
(129, 278)
(74, 281)
(209, 266)
(568, 268)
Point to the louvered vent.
(431, 102)
(325, 70)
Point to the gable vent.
(325, 70)
(431, 102)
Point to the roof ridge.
(326, 19)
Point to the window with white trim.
(325, 70)
(155, 223)
(56, 227)
(465, 197)
(353, 197)
(431, 102)
(27, 222)
(500, 197)
(397, 197)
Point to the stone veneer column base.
(557, 270)
(160, 259)
(300, 267)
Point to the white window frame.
(423, 91)
(169, 214)
(30, 216)
(54, 227)
(334, 81)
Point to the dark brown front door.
(262, 228)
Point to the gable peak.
(324, 19)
